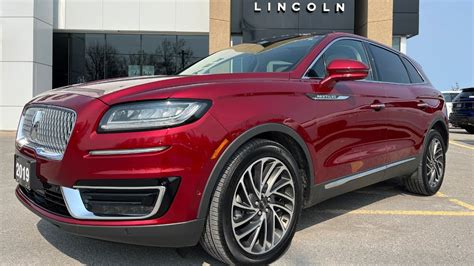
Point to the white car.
(449, 97)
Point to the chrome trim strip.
(112, 188)
(75, 205)
(128, 151)
(328, 97)
(342, 181)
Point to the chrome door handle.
(422, 105)
(377, 106)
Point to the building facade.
(46, 44)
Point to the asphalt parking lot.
(378, 225)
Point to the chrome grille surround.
(46, 129)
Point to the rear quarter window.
(412, 72)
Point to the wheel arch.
(280, 133)
(440, 125)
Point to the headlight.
(151, 115)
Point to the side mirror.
(343, 70)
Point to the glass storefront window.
(236, 40)
(81, 57)
(396, 42)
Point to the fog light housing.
(120, 202)
(120, 199)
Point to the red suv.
(229, 151)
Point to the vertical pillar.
(219, 25)
(374, 20)
(25, 55)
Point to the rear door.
(408, 105)
(349, 131)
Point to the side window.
(343, 49)
(412, 72)
(447, 97)
(389, 66)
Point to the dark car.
(463, 110)
(228, 152)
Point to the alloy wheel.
(435, 162)
(263, 205)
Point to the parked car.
(228, 152)
(449, 97)
(463, 110)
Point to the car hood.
(117, 90)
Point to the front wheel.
(428, 178)
(255, 207)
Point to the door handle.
(377, 106)
(422, 105)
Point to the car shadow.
(345, 203)
(92, 251)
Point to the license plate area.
(25, 172)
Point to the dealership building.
(46, 44)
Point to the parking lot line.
(460, 145)
(463, 204)
(402, 212)
(456, 201)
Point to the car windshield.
(280, 56)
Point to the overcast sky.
(445, 44)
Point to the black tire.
(418, 182)
(218, 237)
(469, 129)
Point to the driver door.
(349, 131)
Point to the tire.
(224, 236)
(469, 129)
(429, 176)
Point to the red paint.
(342, 137)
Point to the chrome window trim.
(414, 66)
(344, 180)
(127, 151)
(76, 208)
(366, 42)
(23, 142)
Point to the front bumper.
(164, 235)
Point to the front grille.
(49, 197)
(46, 129)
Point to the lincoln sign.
(259, 19)
(282, 7)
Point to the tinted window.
(344, 49)
(465, 95)
(453, 95)
(447, 97)
(412, 72)
(389, 66)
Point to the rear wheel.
(255, 207)
(428, 178)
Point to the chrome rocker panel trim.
(344, 180)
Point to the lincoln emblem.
(35, 124)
